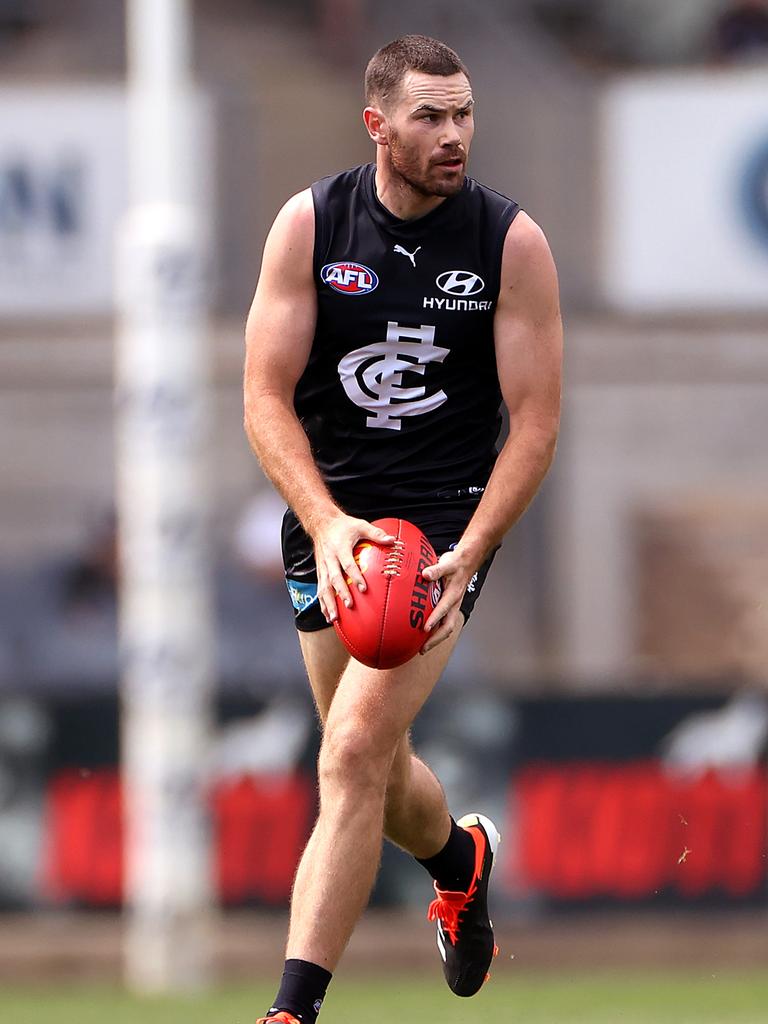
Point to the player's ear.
(376, 125)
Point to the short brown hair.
(388, 66)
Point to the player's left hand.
(455, 569)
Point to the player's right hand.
(334, 545)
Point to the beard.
(425, 179)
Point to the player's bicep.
(528, 330)
(281, 321)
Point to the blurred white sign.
(63, 184)
(684, 174)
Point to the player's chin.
(448, 181)
(449, 187)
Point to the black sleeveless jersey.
(400, 398)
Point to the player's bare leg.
(416, 815)
(366, 722)
(416, 818)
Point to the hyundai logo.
(460, 282)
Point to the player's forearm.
(282, 448)
(520, 468)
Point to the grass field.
(647, 998)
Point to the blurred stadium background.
(618, 661)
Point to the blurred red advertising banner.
(260, 825)
(575, 832)
(634, 831)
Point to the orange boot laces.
(448, 908)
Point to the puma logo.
(411, 255)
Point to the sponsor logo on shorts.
(349, 278)
(302, 594)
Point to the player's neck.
(397, 196)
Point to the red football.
(385, 626)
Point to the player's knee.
(351, 761)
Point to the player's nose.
(450, 136)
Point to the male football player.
(399, 304)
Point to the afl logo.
(460, 282)
(349, 278)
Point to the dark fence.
(601, 801)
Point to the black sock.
(302, 990)
(453, 866)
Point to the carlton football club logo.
(372, 376)
(349, 278)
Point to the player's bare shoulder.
(527, 260)
(296, 218)
(291, 239)
(284, 305)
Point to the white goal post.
(161, 420)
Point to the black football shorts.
(442, 526)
